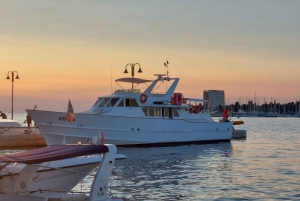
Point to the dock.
(239, 134)
(19, 137)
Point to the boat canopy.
(133, 80)
(53, 153)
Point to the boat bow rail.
(199, 121)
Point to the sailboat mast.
(255, 102)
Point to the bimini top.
(53, 153)
(133, 80)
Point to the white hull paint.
(124, 131)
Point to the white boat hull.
(34, 182)
(50, 178)
(129, 131)
(9, 123)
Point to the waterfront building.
(214, 99)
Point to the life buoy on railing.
(143, 98)
(196, 109)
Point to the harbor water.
(265, 166)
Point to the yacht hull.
(129, 131)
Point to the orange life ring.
(143, 98)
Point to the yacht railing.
(199, 121)
(158, 94)
(128, 91)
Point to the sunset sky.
(76, 49)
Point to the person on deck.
(3, 115)
(28, 120)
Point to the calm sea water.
(265, 166)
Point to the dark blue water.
(265, 166)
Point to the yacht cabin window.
(157, 112)
(166, 112)
(151, 112)
(161, 112)
(121, 104)
(97, 102)
(112, 102)
(131, 103)
(103, 103)
(145, 110)
(175, 111)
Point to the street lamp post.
(132, 69)
(12, 89)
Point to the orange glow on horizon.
(60, 54)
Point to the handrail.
(198, 121)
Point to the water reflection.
(173, 173)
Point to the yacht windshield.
(103, 103)
(112, 102)
(97, 102)
(121, 104)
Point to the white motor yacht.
(136, 118)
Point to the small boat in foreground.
(49, 174)
(21, 186)
(5, 124)
(9, 123)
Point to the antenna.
(110, 78)
(167, 65)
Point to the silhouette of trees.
(291, 108)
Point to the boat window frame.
(157, 112)
(175, 112)
(121, 101)
(137, 105)
(99, 100)
(145, 111)
(166, 112)
(151, 112)
(107, 105)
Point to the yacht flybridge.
(136, 118)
